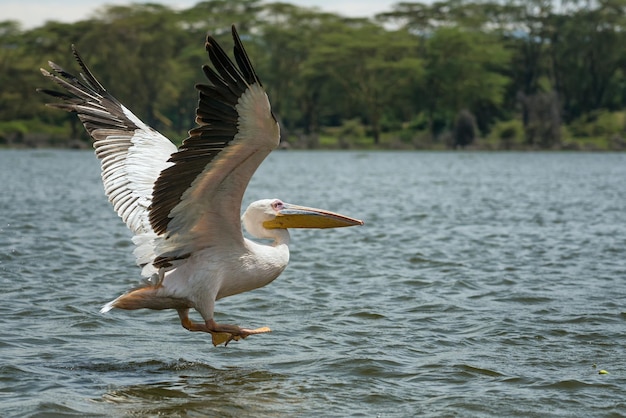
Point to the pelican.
(183, 205)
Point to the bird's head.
(268, 214)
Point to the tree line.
(507, 74)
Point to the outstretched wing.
(131, 154)
(197, 201)
(178, 201)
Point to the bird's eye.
(277, 205)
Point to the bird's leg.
(220, 333)
(188, 324)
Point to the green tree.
(534, 60)
(373, 68)
(296, 89)
(464, 70)
(217, 16)
(131, 49)
(588, 56)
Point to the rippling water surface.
(481, 285)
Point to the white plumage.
(183, 204)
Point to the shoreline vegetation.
(455, 74)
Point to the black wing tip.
(57, 74)
(76, 55)
(243, 61)
(243, 65)
(87, 75)
(54, 93)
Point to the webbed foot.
(220, 333)
(224, 337)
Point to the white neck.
(280, 236)
(263, 264)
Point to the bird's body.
(183, 204)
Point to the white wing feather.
(178, 201)
(131, 153)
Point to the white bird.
(183, 205)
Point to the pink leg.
(220, 333)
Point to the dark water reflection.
(481, 285)
(188, 388)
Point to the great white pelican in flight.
(183, 204)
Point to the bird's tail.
(142, 297)
(106, 308)
(149, 297)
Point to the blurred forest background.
(508, 74)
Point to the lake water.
(482, 284)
